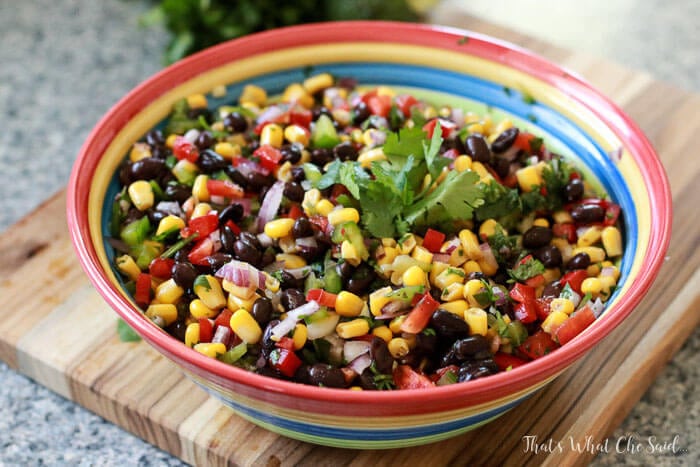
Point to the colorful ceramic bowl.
(448, 65)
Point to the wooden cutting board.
(57, 330)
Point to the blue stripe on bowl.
(364, 434)
(489, 93)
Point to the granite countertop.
(65, 62)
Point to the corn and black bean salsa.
(360, 238)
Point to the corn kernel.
(463, 163)
(316, 83)
(169, 223)
(378, 299)
(211, 349)
(395, 324)
(141, 194)
(139, 151)
(593, 270)
(383, 332)
(471, 266)
(449, 276)
(502, 126)
(199, 310)
(452, 292)
(197, 101)
(170, 140)
(422, 254)
(437, 268)
(366, 158)
(477, 320)
(398, 347)
(272, 135)
(297, 134)
(192, 334)
(457, 307)
(488, 265)
(165, 311)
(541, 222)
(340, 216)
(295, 93)
(168, 292)
(551, 274)
(227, 150)
(488, 229)
(596, 254)
(201, 209)
(311, 199)
(562, 217)
(349, 253)
(219, 90)
(245, 326)
(348, 304)
(324, 207)
(235, 302)
(299, 336)
(406, 244)
(208, 289)
(355, 328)
(589, 237)
(386, 255)
(199, 189)
(591, 285)
(612, 241)
(290, 261)
(607, 282)
(472, 288)
(563, 305)
(413, 276)
(476, 128)
(279, 228)
(484, 175)
(470, 244)
(253, 95)
(552, 322)
(528, 178)
(128, 266)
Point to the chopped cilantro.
(382, 381)
(524, 271)
(456, 271)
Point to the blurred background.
(65, 62)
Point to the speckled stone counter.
(63, 63)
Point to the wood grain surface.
(58, 331)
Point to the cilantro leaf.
(524, 271)
(434, 162)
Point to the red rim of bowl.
(473, 392)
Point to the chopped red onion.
(453, 244)
(597, 307)
(488, 256)
(510, 154)
(353, 349)
(457, 116)
(272, 114)
(191, 136)
(360, 364)
(500, 296)
(246, 167)
(170, 207)
(274, 267)
(290, 321)
(607, 271)
(307, 242)
(299, 273)
(264, 239)
(222, 335)
(118, 245)
(271, 203)
(441, 258)
(242, 274)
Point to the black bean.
(549, 255)
(469, 346)
(298, 174)
(322, 374)
(553, 289)
(309, 253)
(579, 261)
(425, 344)
(366, 380)
(477, 148)
(505, 140)
(148, 168)
(209, 161)
(360, 113)
(177, 192)
(380, 355)
(287, 281)
(302, 228)
(262, 311)
(160, 152)
(291, 153)
(537, 236)
(232, 212)
(501, 166)
(318, 111)
(194, 114)
(345, 151)
(218, 259)
(321, 156)
(228, 239)
(448, 325)
(205, 140)
(235, 122)
(155, 216)
(345, 270)
(184, 274)
(180, 256)
(360, 280)
(267, 344)
(247, 253)
(155, 138)
(573, 191)
(302, 374)
(177, 330)
(251, 240)
(476, 275)
(235, 176)
(473, 370)
(294, 192)
(588, 213)
(133, 214)
(292, 298)
(256, 180)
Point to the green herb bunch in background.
(197, 24)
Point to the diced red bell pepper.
(451, 154)
(224, 188)
(285, 361)
(525, 312)
(295, 211)
(200, 252)
(522, 293)
(524, 142)
(612, 213)
(505, 361)
(575, 325)
(183, 149)
(537, 345)
(202, 225)
(419, 317)
(233, 226)
(161, 267)
(270, 156)
(224, 318)
(286, 343)
(338, 190)
(321, 222)
(406, 377)
(567, 231)
(543, 307)
(322, 297)
(446, 127)
(142, 294)
(206, 330)
(404, 102)
(435, 377)
(379, 105)
(300, 116)
(433, 240)
(574, 279)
